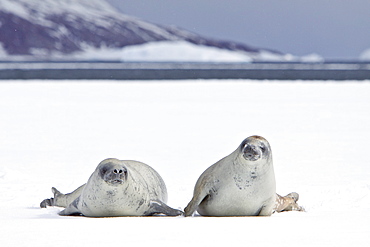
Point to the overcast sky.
(334, 29)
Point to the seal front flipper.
(203, 189)
(158, 207)
(72, 209)
(197, 199)
(268, 208)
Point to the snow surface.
(54, 133)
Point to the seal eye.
(103, 170)
(263, 148)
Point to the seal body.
(117, 188)
(241, 184)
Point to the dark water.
(179, 71)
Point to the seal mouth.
(251, 157)
(115, 181)
(251, 153)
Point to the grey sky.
(334, 29)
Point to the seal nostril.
(117, 171)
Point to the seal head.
(254, 148)
(113, 174)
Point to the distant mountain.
(51, 29)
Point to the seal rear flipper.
(72, 209)
(287, 203)
(51, 201)
(47, 202)
(158, 207)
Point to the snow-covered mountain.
(54, 29)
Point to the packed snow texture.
(56, 133)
